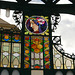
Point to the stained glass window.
(68, 63)
(39, 45)
(57, 59)
(16, 55)
(15, 72)
(27, 52)
(5, 72)
(5, 54)
(46, 53)
(37, 52)
(36, 25)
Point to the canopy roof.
(6, 26)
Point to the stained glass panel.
(68, 63)
(16, 55)
(27, 52)
(6, 37)
(36, 25)
(16, 38)
(57, 59)
(37, 52)
(5, 54)
(46, 53)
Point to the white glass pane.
(42, 62)
(15, 72)
(36, 55)
(59, 73)
(32, 62)
(37, 72)
(32, 55)
(41, 55)
(36, 61)
(69, 73)
(4, 72)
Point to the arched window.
(4, 72)
(15, 72)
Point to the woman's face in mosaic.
(34, 26)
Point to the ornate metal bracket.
(55, 19)
(56, 40)
(17, 16)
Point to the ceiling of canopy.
(43, 1)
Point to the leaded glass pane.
(5, 54)
(57, 59)
(5, 72)
(16, 38)
(6, 37)
(27, 52)
(46, 53)
(37, 52)
(16, 55)
(15, 72)
(36, 25)
(68, 63)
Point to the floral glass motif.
(6, 37)
(36, 52)
(5, 54)
(46, 53)
(37, 25)
(16, 55)
(68, 63)
(16, 38)
(27, 52)
(57, 59)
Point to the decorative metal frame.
(49, 9)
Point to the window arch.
(5, 72)
(15, 72)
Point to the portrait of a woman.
(36, 25)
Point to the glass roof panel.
(10, 0)
(64, 2)
(36, 2)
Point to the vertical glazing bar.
(22, 42)
(50, 42)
